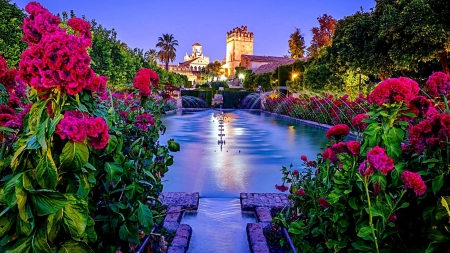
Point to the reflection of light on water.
(227, 170)
(291, 134)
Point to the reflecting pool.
(256, 145)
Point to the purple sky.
(140, 23)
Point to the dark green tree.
(11, 45)
(167, 50)
(296, 44)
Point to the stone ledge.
(256, 239)
(187, 200)
(180, 243)
(276, 201)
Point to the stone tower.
(239, 42)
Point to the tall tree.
(322, 35)
(151, 55)
(167, 51)
(11, 45)
(296, 44)
(214, 69)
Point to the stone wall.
(239, 42)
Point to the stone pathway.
(178, 203)
(262, 204)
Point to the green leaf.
(54, 224)
(114, 173)
(46, 202)
(39, 242)
(129, 232)
(10, 190)
(333, 197)
(133, 190)
(361, 246)
(72, 246)
(352, 203)
(46, 172)
(22, 196)
(112, 144)
(145, 217)
(365, 233)
(14, 160)
(40, 135)
(173, 146)
(443, 208)
(437, 183)
(437, 236)
(21, 246)
(6, 223)
(74, 155)
(392, 141)
(54, 123)
(83, 185)
(75, 217)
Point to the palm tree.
(151, 55)
(167, 51)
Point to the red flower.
(438, 83)
(328, 154)
(431, 132)
(394, 90)
(422, 107)
(323, 203)
(300, 192)
(357, 122)
(144, 121)
(379, 160)
(3, 66)
(413, 181)
(145, 77)
(392, 218)
(311, 164)
(354, 147)
(295, 172)
(338, 131)
(82, 27)
(97, 84)
(303, 158)
(365, 171)
(281, 188)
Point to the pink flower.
(357, 122)
(303, 158)
(14, 101)
(144, 121)
(145, 77)
(323, 203)
(364, 170)
(9, 79)
(354, 147)
(97, 84)
(394, 90)
(422, 107)
(300, 192)
(338, 131)
(431, 132)
(413, 181)
(379, 160)
(438, 83)
(281, 188)
(82, 27)
(328, 154)
(295, 172)
(3, 66)
(392, 218)
(311, 164)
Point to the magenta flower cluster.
(338, 131)
(56, 59)
(394, 90)
(77, 126)
(144, 78)
(413, 181)
(438, 83)
(144, 121)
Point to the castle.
(193, 64)
(239, 42)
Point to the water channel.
(256, 145)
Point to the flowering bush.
(390, 194)
(76, 177)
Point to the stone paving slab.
(187, 200)
(250, 201)
(256, 239)
(180, 243)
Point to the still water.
(257, 144)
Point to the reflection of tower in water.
(220, 119)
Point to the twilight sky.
(139, 23)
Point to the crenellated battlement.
(240, 32)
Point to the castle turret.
(239, 42)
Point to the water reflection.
(257, 145)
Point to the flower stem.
(370, 214)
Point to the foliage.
(72, 179)
(10, 32)
(234, 99)
(204, 95)
(381, 193)
(214, 70)
(322, 35)
(167, 51)
(296, 44)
